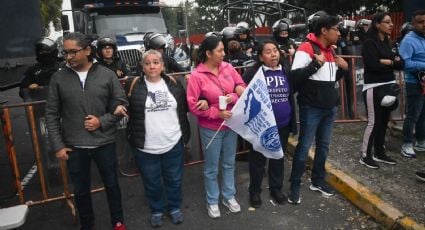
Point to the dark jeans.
(315, 123)
(79, 170)
(415, 114)
(162, 173)
(257, 163)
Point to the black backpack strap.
(316, 48)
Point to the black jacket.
(247, 77)
(374, 71)
(171, 65)
(120, 68)
(136, 125)
(38, 74)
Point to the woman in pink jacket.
(213, 78)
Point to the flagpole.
(215, 134)
(238, 101)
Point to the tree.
(210, 16)
(50, 12)
(342, 7)
(175, 16)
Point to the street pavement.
(315, 212)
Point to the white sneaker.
(232, 205)
(213, 211)
(407, 150)
(420, 146)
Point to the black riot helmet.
(105, 41)
(279, 26)
(312, 19)
(154, 41)
(406, 28)
(213, 33)
(343, 30)
(243, 28)
(363, 22)
(46, 51)
(228, 33)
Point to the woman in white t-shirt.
(158, 128)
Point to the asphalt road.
(315, 212)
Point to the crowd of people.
(86, 100)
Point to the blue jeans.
(162, 173)
(79, 170)
(314, 123)
(223, 146)
(415, 114)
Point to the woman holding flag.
(280, 92)
(213, 78)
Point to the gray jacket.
(68, 104)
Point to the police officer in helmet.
(227, 34)
(158, 42)
(107, 56)
(38, 76)
(243, 35)
(281, 32)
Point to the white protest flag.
(253, 118)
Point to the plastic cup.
(222, 104)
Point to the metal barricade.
(356, 75)
(7, 129)
(193, 151)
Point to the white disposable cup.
(222, 104)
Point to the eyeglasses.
(387, 22)
(70, 53)
(334, 28)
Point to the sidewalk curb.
(362, 197)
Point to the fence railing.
(193, 151)
(35, 140)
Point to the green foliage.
(342, 7)
(50, 11)
(193, 16)
(210, 18)
(206, 15)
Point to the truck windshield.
(127, 24)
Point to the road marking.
(29, 176)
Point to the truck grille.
(130, 57)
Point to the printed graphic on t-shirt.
(158, 101)
(278, 88)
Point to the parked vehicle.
(126, 21)
(262, 14)
(20, 27)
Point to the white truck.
(127, 21)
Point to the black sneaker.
(277, 196)
(420, 176)
(325, 189)
(369, 162)
(255, 200)
(294, 197)
(383, 158)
